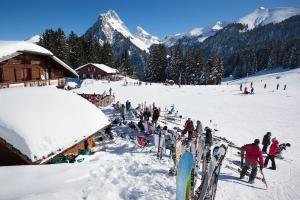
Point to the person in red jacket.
(253, 155)
(189, 127)
(272, 153)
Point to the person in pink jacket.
(272, 153)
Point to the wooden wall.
(11, 70)
(89, 143)
(10, 156)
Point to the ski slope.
(123, 171)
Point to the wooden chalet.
(96, 71)
(25, 64)
(63, 124)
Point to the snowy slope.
(124, 171)
(263, 16)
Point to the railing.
(60, 82)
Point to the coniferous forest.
(232, 51)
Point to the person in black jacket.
(155, 115)
(208, 137)
(266, 142)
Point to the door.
(26, 74)
(1, 75)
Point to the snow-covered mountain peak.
(34, 39)
(263, 16)
(111, 14)
(146, 37)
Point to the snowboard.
(183, 178)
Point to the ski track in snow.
(125, 171)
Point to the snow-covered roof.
(103, 67)
(10, 49)
(41, 120)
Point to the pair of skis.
(263, 179)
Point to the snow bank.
(38, 121)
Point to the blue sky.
(22, 19)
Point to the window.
(83, 76)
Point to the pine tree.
(157, 64)
(74, 46)
(55, 41)
(215, 70)
(125, 65)
(107, 56)
(176, 66)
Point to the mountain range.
(109, 27)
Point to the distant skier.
(277, 87)
(246, 90)
(251, 85)
(266, 142)
(265, 86)
(253, 155)
(241, 87)
(284, 88)
(110, 91)
(272, 153)
(252, 91)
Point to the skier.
(141, 125)
(284, 88)
(266, 142)
(128, 105)
(123, 112)
(208, 136)
(246, 90)
(281, 148)
(265, 86)
(253, 154)
(277, 87)
(272, 153)
(199, 128)
(251, 84)
(110, 91)
(241, 87)
(189, 127)
(155, 116)
(147, 114)
(252, 90)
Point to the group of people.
(246, 89)
(194, 132)
(254, 155)
(252, 88)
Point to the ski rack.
(208, 187)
